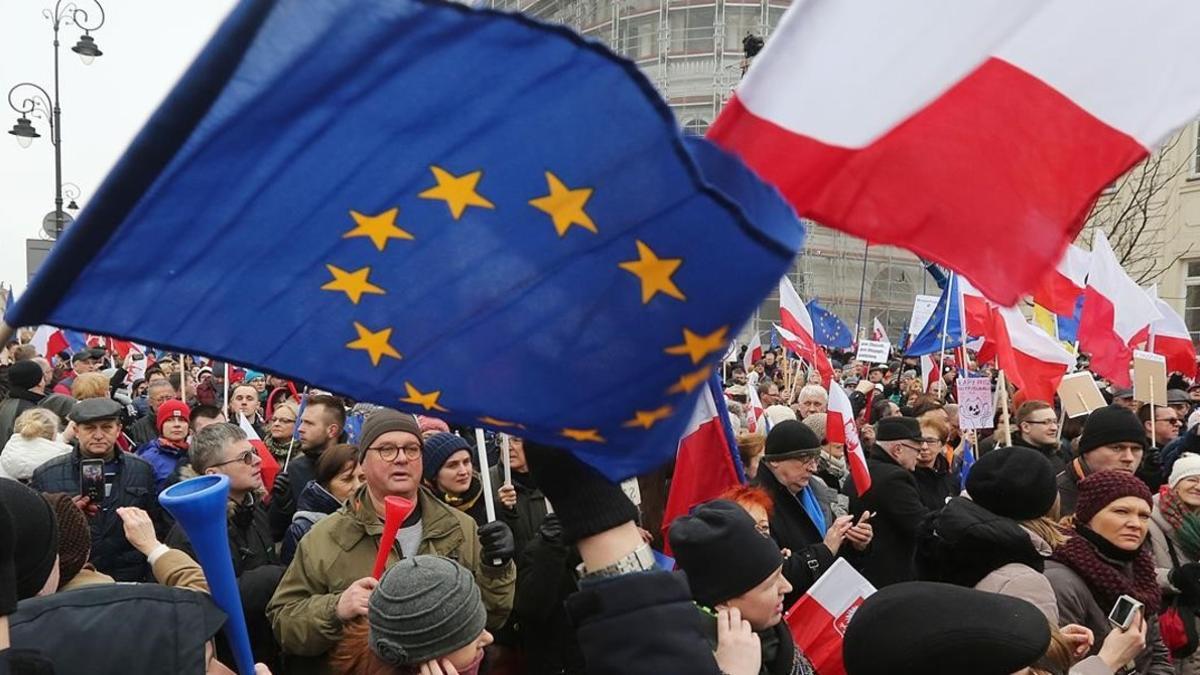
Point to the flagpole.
(226, 394)
(862, 286)
(182, 378)
(292, 442)
(1004, 410)
(946, 323)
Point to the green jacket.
(341, 548)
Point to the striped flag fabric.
(1116, 315)
(819, 618)
(1061, 287)
(270, 465)
(1169, 337)
(754, 352)
(797, 330)
(840, 429)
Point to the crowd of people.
(1001, 550)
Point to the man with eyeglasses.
(1162, 425)
(223, 448)
(1112, 440)
(128, 481)
(893, 501)
(328, 583)
(1037, 428)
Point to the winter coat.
(133, 485)
(288, 486)
(1076, 604)
(22, 455)
(1161, 532)
(1068, 486)
(173, 568)
(967, 545)
(935, 485)
(792, 529)
(1188, 441)
(545, 579)
(894, 498)
(313, 504)
(526, 517)
(1058, 456)
(164, 459)
(18, 401)
(341, 549)
(144, 430)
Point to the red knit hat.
(1101, 489)
(172, 408)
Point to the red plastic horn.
(396, 509)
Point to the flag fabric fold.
(797, 330)
(1061, 287)
(1169, 337)
(819, 618)
(270, 465)
(879, 333)
(1034, 361)
(1116, 315)
(754, 352)
(433, 256)
(840, 428)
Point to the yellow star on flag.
(378, 228)
(354, 284)
(690, 381)
(492, 421)
(374, 343)
(648, 418)
(565, 206)
(698, 346)
(458, 192)
(582, 435)
(428, 400)
(654, 273)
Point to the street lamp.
(34, 101)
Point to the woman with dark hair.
(336, 477)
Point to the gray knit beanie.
(382, 421)
(425, 607)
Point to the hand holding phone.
(1123, 612)
(91, 480)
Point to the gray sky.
(147, 44)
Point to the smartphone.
(1123, 611)
(91, 480)
(866, 515)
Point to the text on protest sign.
(976, 408)
(873, 351)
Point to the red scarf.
(1107, 578)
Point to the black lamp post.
(37, 102)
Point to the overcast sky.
(147, 44)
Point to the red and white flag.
(798, 330)
(840, 429)
(270, 465)
(754, 352)
(1061, 287)
(879, 333)
(756, 413)
(1034, 362)
(819, 618)
(899, 122)
(1169, 337)
(930, 371)
(1115, 315)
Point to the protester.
(1177, 400)
(522, 504)
(1175, 540)
(1037, 428)
(33, 443)
(145, 429)
(127, 481)
(204, 415)
(26, 390)
(1123, 397)
(90, 385)
(1112, 440)
(34, 561)
(1161, 424)
(1107, 556)
(84, 361)
(812, 399)
(279, 438)
(321, 426)
(244, 401)
(450, 476)
(831, 463)
(169, 450)
(337, 478)
(431, 425)
(62, 406)
(935, 484)
(327, 585)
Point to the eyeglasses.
(1171, 420)
(246, 457)
(389, 452)
(931, 441)
(283, 420)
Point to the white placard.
(923, 306)
(872, 351)
(976, 408)
(632, 490)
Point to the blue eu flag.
(944, 329)
(830, 330)
(452, 211)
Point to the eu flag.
(453, 211)
(829, 330)
(944, 329)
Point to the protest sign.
(873, 351)
(976, 409)
(1079, 394)
(1149, 377)
(922, 309)
(819, 618)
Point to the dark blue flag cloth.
(830, 330)
(1068, 326)
(452, 211)
(941, 331)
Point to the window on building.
(638, 37)
(692, 30)
(738, 22)
(695, 127)
(1191, 300)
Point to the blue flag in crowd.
(353, 427)
(930, 338)
(469, 214)
(830, 330)
(968, 460)
(1068, 326)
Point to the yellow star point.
(458, 192)
(583, 435)
(565, 206)
(699, 346)
(492, 421)
(427, 400)
(654, 273)
(687, 383)
(648, 418)
(374, 343)
(354, 284)
(379, 228)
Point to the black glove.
(499, 547)
(586, 502)
(551, 529)
(1187, 579)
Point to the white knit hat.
(778, 413)
(1187, 465)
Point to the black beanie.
(1017, 483)
(36, 535)
(1111, 424)
(25, 375)
(791, 439)
(898, 429)
(721, 551)
(587, 503)
(925, 628)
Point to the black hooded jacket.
(964, 542)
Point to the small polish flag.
(798, 330)
(819, 618)
(1115, 315)
(879, 334)
(1169, 337)
(1034, 362)
(754, 352)
(270, 465)
(755, 420)
(840, 429)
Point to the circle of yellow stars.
(566, 208)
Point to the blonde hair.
(36, 422)
(1047, 527)
(1058, 657)
(89, 385)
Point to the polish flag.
(1115, 314)
(754, 421)
(706, 463)
(1034, 362)
(930, 372)
(840, 429)
(270, 465)
(976, 309)
(899, 122)
(819, 618)
(797, 331)
(50, 341)
(1169, 337)
(754, 352)
(879, 334)
(1059, 289)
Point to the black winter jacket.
(964, 542)
(893, 497)
(791, 528)
(936, 484)
(314, 503)
(288, 485)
